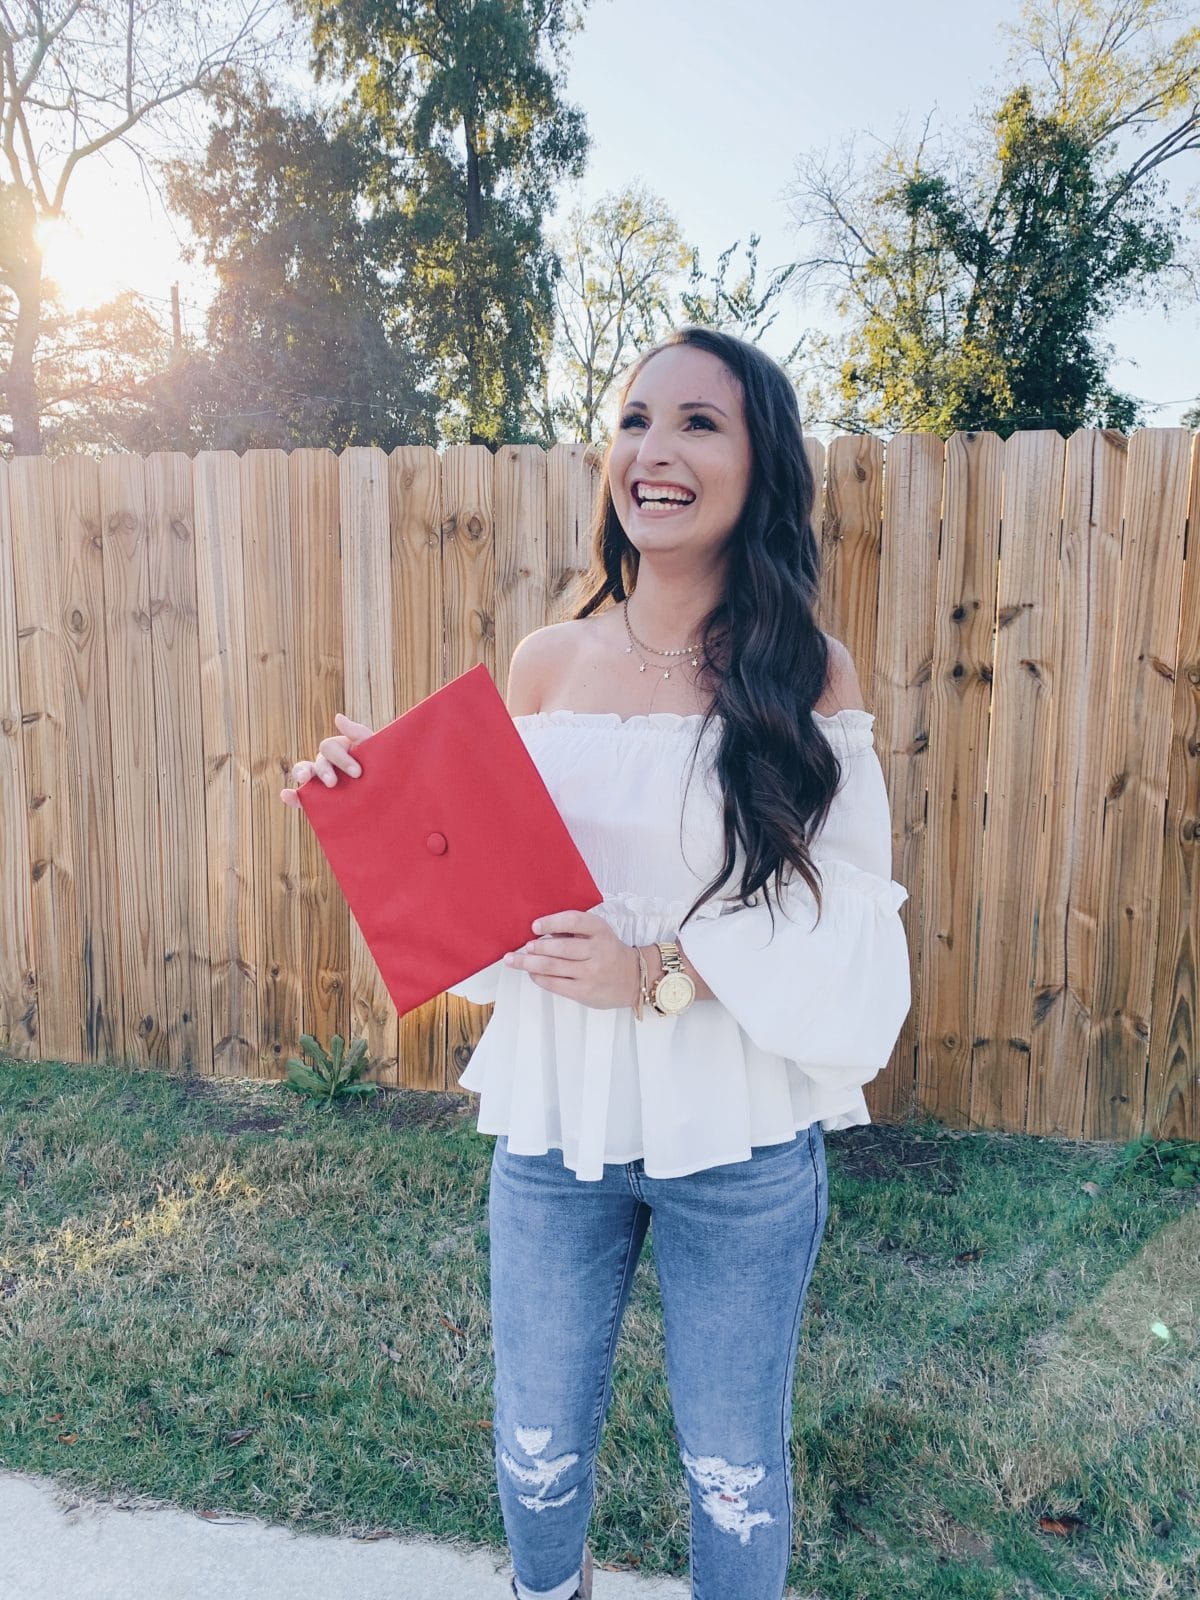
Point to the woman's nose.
(652, 447)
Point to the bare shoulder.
(537, 661)
(842, 690)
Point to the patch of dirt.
(255, 1123)
(242, 1100)
(960, 1542)
(197, 1087)
(407, 1108)
(876, 1153)
(422, 1108)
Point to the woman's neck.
(668, 617)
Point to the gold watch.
(674, 991)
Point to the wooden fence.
(174, 633)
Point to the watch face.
(674, 991)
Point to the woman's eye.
(634, 417)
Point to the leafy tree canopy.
(615, 294)
(304, 345)
(465, 96)
(975, 284)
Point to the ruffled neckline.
(668, 719)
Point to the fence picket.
(19, 1030)
(370, 642)
(914, 468)
(128, 620)
(227, 748)
(1173, 1086)
(179, 747)
(961, 677)
(89, 745)
(1019, 729)
(468, 589)
(418, 607)
(1137, 746)
(274, 743)
(43, 651)
(318, 681)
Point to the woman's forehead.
(703, 375)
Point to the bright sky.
(709, 105)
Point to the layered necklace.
(636, 644)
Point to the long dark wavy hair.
(764, 656)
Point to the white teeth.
(650, 497)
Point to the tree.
(302, 347)
(90, 369)
(75, 77)
(462, 92)
(614, 295)
(739, 309)
(976, 289)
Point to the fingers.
(333, 757)
(545, 954)
(356, 731)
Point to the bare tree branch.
(77, 77)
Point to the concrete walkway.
(57, 1545)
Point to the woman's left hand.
(577, 954)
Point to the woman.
(676, 1057)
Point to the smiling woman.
(675, 1052)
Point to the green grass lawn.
(218, 1295)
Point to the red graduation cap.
(449, 844)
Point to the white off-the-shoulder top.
(800, 1021)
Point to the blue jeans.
(734, 1248)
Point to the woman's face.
(679, 469)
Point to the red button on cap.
(437, 843)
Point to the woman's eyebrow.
(684, 405)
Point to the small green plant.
(332, 1073)
(1174, 1161)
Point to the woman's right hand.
(333, 757)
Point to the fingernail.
(354, 770)
(329, 780)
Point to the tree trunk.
(474, 185)
(20, 382)
(474, 329)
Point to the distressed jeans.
(734, 1248)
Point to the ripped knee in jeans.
(544, 1472)
(723, 1490)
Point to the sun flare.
(87, 271)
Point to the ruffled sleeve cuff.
(481, 987)
(830, 996)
